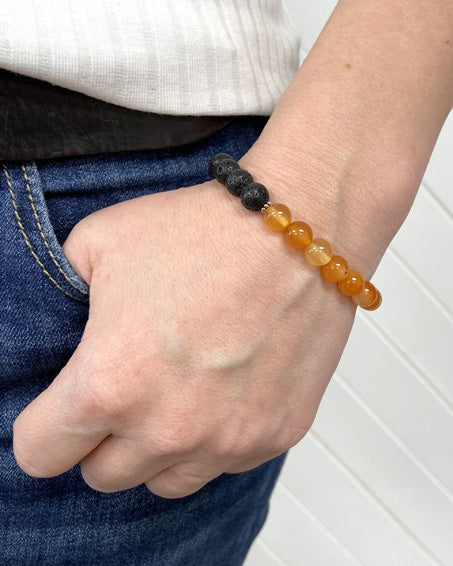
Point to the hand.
(208, 347)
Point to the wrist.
(298, 235)
(346, 197)
(350, 139)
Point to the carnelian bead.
(277, 217)
(318, 252)
(367, 296)
(376, 304)
(352, 283)
(298, 235)
(336, 269)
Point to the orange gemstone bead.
(367, 296)
(376, 303)
(336, 269)
(318, 252)
(277, 217)
(298, 235)
(352, 283)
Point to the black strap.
(39, 120)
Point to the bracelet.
(298, 234)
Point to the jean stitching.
(26, 239)
(43, 236)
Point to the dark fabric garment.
(43, 311)
(40, 120)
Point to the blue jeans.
(43, 311)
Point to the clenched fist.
(208, 347)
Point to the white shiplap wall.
(372, 482)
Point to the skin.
(210, 342)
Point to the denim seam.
(27, 241)
(43, 236)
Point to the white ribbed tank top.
(200, 57)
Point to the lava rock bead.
(254, 196)
(237, 181)
(221, 165)
(216, 159)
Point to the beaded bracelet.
(298, 234)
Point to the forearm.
(349, 141)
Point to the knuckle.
(32, 469)
(173, 486)
(97, 394)
(289, 437)
(229, 449)
(78, 249)
(85, 235)
(92, 399)
(31, 466)
(172, 443)
(169, 490)
(96, 482)
(176, 434)
(237, 442)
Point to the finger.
(182, 479)
(122, 463)
(55, 431)
(250, 464)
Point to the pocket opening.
(33, 220)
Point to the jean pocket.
(32, 217)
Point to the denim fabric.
(43, 310)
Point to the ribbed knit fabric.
(200, 57)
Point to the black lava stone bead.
(216, 159)
(224, 168)
(237, 180)
(221, 165)
(254, 196)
